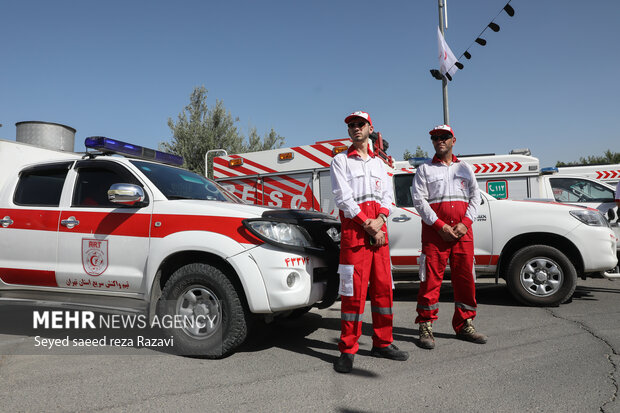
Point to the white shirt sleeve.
(387, 198)
(419, 195)
(343, 194)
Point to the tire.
(196, 290)
(540, 275)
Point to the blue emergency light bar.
(113, 146)
(549, 170)
(417, 161)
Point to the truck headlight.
(280, 233)
(589, 217)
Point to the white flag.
(446, 57)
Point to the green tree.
(199, 129)
(608, 157)
(419, 153)
(271, 140)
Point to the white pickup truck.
(135, 236)
(540, 248)
(519, 176)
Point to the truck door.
(404, 227)
(102, 246)
(29, 226)
(485, 257)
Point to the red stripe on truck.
(308, 155)
(129, 224)
(28, 277)
(413, 260)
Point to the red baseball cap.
(441, 130)
(358, 114)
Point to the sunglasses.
(354, 125)
(444, 137)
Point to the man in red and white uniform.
(363, 194)
(445, 193)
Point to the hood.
(212, 208)
(554, 202)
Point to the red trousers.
(461, 256)
(371, 265)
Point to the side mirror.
(126, 194)
(611, 215)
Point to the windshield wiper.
(178, 197)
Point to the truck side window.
(402, 189)
(40, 186)
(92, 184)
(579, 190)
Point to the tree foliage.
(608, 157)
(419, 153)
(200, 128)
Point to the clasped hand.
(448, 233)
(373, 227)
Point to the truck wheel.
(210, 320)
(541, 275)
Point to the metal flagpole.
(444, 81)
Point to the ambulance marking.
(285, 183)
(607, 174)
(310, 156)
(296, 261)
(243, 170)
(239, 172)
(408, 210)
(19, 276)
(94, 256)
(328, 150)
(228, 226)
(414, 259)
(280, 183)
(97, 284)
(32, 219)
(108, 223)
(335, 142)
(135, 225)
(245, 189)
(221, 172)
(254, 164)
(484, 168)
(288, 178)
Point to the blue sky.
(546, 81)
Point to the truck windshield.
(177, 183)
(580, 190)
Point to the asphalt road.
(562, 359)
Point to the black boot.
(390, 352)
(344, 364)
